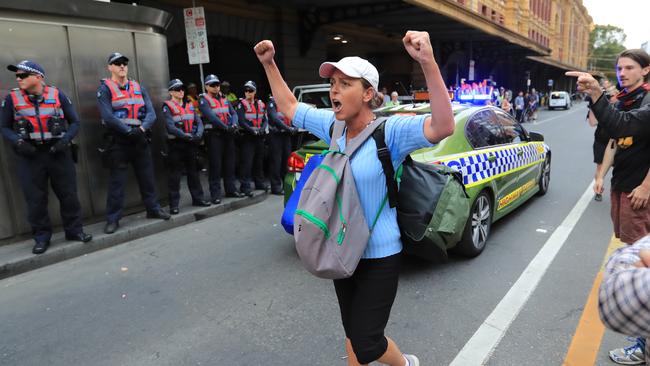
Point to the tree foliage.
(605, 43)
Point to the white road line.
(556, 117)
(480, 347)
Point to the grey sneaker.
(413, 361)
(630, 355)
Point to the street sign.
(528, 82)
(197, 37)
(550, 82)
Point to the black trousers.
(280, 148)
(182, 157)
(365, 301)
(120, 155)
(252, 163)
(221, 157)
(33, 174)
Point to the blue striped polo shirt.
(404, 134)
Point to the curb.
(132, 227)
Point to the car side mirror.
(534, 136)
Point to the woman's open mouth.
(336, 106)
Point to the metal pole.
(200, 64)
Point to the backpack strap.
(336, 131)
(360, 139)
(383, 154)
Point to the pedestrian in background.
(505, 105)
(228, 94)
(252, 118)
(221, 131)
(393, 102)
(520, 104)
(601, 143)
(184, 134)
(128, 116)
(193, 97)
(366, 298)
(627, 122)
(534, 103)
(33, 120)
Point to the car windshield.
(320, 99)
(556, 96)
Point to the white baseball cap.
(353, 66)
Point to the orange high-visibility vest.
(49, 107)
(219, 106)
(183, 116)
(254, 113)
(130, 99)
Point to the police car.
(503, 165)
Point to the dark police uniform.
(279, 145)
(221, 128)
(124, 109)
(35, 126)
(252, 118)
(184, 133)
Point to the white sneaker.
(631, 355)
(413, 361)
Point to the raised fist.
(418, 46)
(265, 51)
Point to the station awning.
(554, 63)
(476, 26)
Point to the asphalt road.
(231, 291)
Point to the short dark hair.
(639, 56)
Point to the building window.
(461, 2)
(484, 10)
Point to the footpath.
(16, 258)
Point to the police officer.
(128, 115)
(33, 120)
(252, 118)
(184, 134)
(221, 130)
(279, 146)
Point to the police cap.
(27, 66)
(210, 79)
(250, 84)
(174, 84)
(116, 56)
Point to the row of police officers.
(39, 121)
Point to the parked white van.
(559, 99)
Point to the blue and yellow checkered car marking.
(477, 168)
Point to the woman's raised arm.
(285, 100)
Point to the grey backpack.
(330, 229)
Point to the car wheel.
(545, 177)
(550, 108)
(477, 228)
